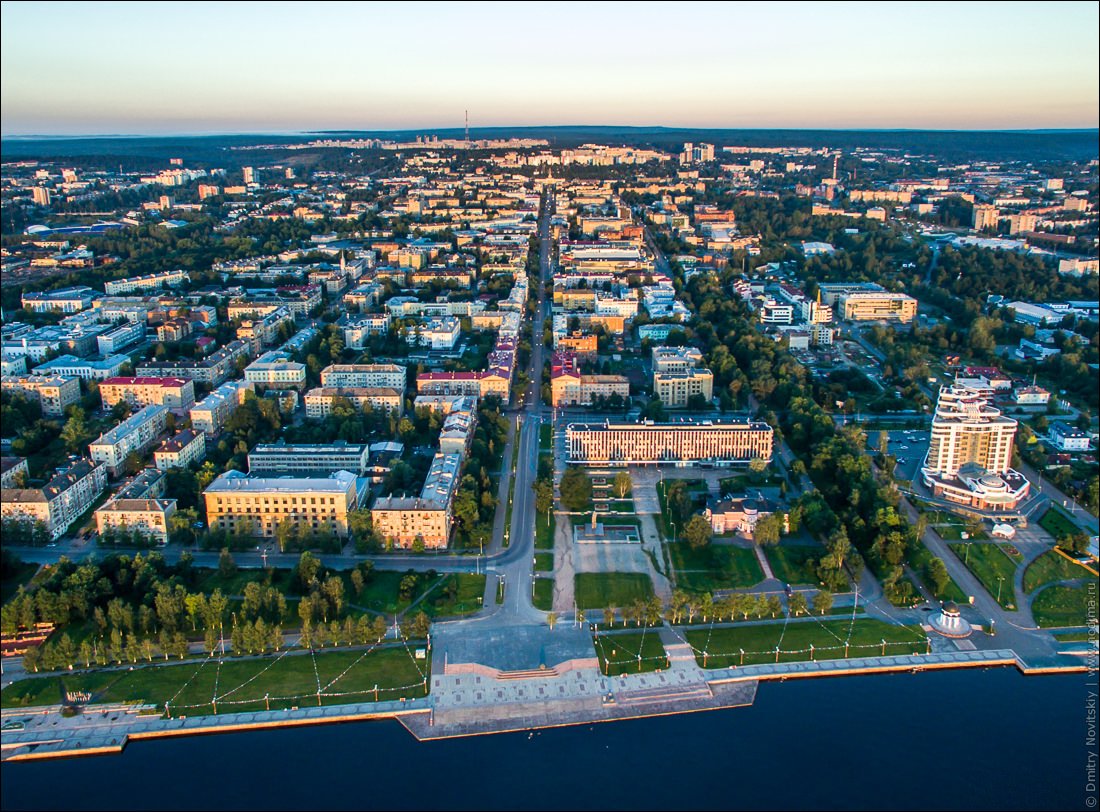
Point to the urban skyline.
(832, 66)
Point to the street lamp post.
(1000, 582)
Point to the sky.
(145, 68)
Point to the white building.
(122, 336)
(210, 414)
(439, 334)
(1067, 438)
(188, 447)
(60, 502)
(85, 368)
(135, 434)
(276, 369)
(153, 281)
(359, 330)
(389, 376)
(66, 300)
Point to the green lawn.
(468, 589)
(919, 559)
(290, 681)
(542, 594)
(20, 575)
(544, 531)
(716, 566)
(207, 580)
(1058, 606)
(597, 590)
(546, 437)
(511, 492)
(618, 653)
(743, 482)
(1058, 524)
(990, 564)
(544, 562)
(1049, 567)
(723, 646)
(382, 591)
(791, 563)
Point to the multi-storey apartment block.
(258, 505)
(60, 502)
(135, 434)
(178, 394)
(53, 392)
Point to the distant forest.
(135, 152)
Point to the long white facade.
(715, 442)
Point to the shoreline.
(631, 697)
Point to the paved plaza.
(510, 648)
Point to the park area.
(831, 640)
(598, 590)
(388, 592)
(1058, 524)
(793, 563)
(1050, 568)
(714, 567)
(289, 679)
(629, 652)
(1060, 606)
(994, 567)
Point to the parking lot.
(908, 448)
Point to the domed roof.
(950, 608)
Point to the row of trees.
(685, 607)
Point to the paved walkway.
(764, 564)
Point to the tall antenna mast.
(467, 128)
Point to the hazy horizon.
(114, 69)
(539, 127)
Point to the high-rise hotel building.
(970, 452)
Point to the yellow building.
(675, 388)
(54, 393)
(404, 520)
(319, 401)
(580, 344)
(149, 517)
(578, 299)
(568, 389)
(238, 503)
(879, 306)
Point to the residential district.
(493, 435)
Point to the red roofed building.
(997, 379)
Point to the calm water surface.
(946, 740)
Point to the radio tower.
(467, 129)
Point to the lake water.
(941, 740)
